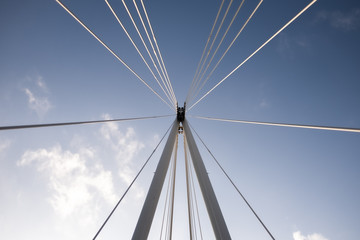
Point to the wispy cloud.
(343, 21)
(37, 95)
(79, 184)
(41, 105)
(76, 185)
(41, 84)
(125, 147)
(315, 236)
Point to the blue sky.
(60, 183)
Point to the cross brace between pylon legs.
(147, 213)
(212, 205)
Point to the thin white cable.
(191, 192)
(114, 54)
(162, 76)
(237, 189)
(128, 188)
(173, 186)
(137, 49)
(203, 53)
(213, 41)
(152, 46)
(237, 35)
(172, 171)
(142, 40)
(211, 45)
(156, 56)
(287, 24)
(188, 192)
(341, 129)
(157, 46)
(168, 208)
(217, 49)
(195, 200)
(166, 201)
(14, 127)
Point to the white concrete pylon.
(217, 220)
(147, 213)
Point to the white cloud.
(77, 187)
(315, 236)
(41, 84)
(343, 21)
(37, 95)
(41, 105)
(124, 145)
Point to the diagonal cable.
(173, 187)
(162, 66)
(228, 48)
(142, 40)
(166, 202)
(203, 53)
(213, 41)
(13, 127)
(221, 40)
(137, 175)
(188, 191)
(341, 129)
(137, 49)
(157, 46)
(281, 29)
(191, 186)
(237, 189)
(111, 51)
(147, 49)
(195, 199)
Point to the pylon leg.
(147, 213)
(212, 205)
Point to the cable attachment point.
(180, 113)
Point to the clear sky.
(60, 183)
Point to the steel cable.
(112, 52)
(228, 48)
(137, 49)
(157, 46)
(195, 199)
(142, 40)
(280, 30)
(161, 64)
(222, 39)
(212, 43)
(202, 56)
(166, 202)
(341, 129)
(137, 175)
(14, 127)
(188, 191)
(237, 189)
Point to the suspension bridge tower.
(147, 213)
